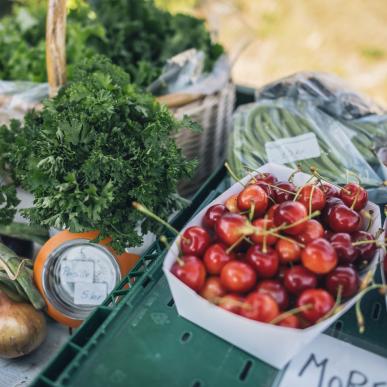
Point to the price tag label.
(328, 362)
(77, 271)
(89, 294)
(287, 150)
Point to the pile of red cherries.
(278, 253)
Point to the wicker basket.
(213, 112)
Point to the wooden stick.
(56, 45)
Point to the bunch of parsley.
(96, 147)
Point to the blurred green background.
(280, 37)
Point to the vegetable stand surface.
(137, 338)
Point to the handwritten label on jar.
(89, 294)
(328, 362)
(287, 150)
(77, 271)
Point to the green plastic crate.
(140, 340)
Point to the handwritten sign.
(287, 150)
(328, 362)
(77, 271)
(89, 294)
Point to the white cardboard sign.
(328, 362)
(264, 341)
(89, 294)
(77, 271)
(287, 150)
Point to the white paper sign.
(77, 271)
(328, 362)
(89, 294)
(287, 150)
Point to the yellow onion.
(22, 328)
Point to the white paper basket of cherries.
(275, 260)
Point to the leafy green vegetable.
(22, 40)
(135, 35)
(8, 203)
(141, 37)
(92, 150)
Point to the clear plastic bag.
(295, 132)
(365, 122)
(17, 97)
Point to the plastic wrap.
(365, 122)
(295, 133)
(17, 97)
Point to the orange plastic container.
(125, 262)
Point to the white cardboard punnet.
(273, 344)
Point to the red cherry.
(231, 204)
(288, 213)
(297, 279)
(313, 231)
(213, 214)
(270, 212)
(290, 321)
(344, 276)
(365, 251)
(212, 289)
(342, 219)
(262, 225)
(253, 194)
(231, 303)
(281, 273)
(312, 194)
(238, 276)
(288, 250)
(195, 241)
(281, 196)
(231, 227)
(329, 190)
(321, 301)
(265, 264)
(342, 244)
(266, 177)
(267, 188)
(216, 257)
(330, 203)
(319, 256)
(275, 290)
(354, 196)
(190, 270)
(260, 307)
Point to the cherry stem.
(291, 312)
(367, 241)
(280, 189)
(252, 210)
(306, 218)
(279, 236)
(355, 198)
(310, 198)
(336, 307)
(264, 244)
(359, 313)
(318, 176)
(302, 186)
(150, 214)
(297, 170)
(232, 174)
(236, 243)
(240, 304)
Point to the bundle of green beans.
(265, 121)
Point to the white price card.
(89, 294)
(77, 271)
(328, 362)
(288, 150)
